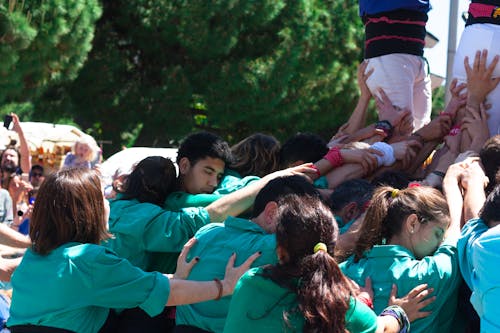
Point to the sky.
(438, 25)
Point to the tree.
(42, 42)
(161, 68)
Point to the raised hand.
(417, 299)
(479, 81)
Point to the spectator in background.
(83, 154)
(36, 175)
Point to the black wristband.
(385, 126)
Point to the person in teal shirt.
(401, 243)
(240, 236)
(305, 291)
(478, 247)
(140, 225)
(66, 280)
(252, 158)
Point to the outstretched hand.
(234, 273)
(417, 299)
(184, 267)
(479, 80)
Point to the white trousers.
(479, 37)
(405, 80)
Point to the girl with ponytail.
(401, 243)
(306, 291)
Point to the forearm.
(343, 173)
(474, 199)
(13, 238)
(237, 202)
(455, 202)
(25, 161)
(387, 324)
(188, 292)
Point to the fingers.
(453, 84)
(186, 248)
(362, 68)
(368, 283)
(394, 292)
(477, 60)
(417, 290)
(491, 67)
(369, 73)
(246, 265)
(468, 69)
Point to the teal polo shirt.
(216, 242)
(478, 248)
(141, 228)
(394, 264)
(75, 285)
(258, 305)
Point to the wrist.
(399, 314)
(220, 289)
(386, 126)
(334, 156)
(419, 137)
(387, 159)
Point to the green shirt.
(140, 228)
(258, 305)
(216, 242)
(393, 264)
(75, 285)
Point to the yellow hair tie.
(320, 247)
(394, 193)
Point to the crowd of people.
(385, 227)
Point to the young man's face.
(203, 176)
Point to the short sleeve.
(114, 282)
(360, 318)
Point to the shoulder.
(90, 253)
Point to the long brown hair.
(69, 208)
(390, 207)
(323, 291)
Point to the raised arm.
(25, 162)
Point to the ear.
(184, 165)
(351, 211)
(412, 224)
(270, 212)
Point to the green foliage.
(42, 41)
(162, 68)
(438, 100)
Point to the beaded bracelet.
(399, 314)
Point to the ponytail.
(373, 230)
(323, 294)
